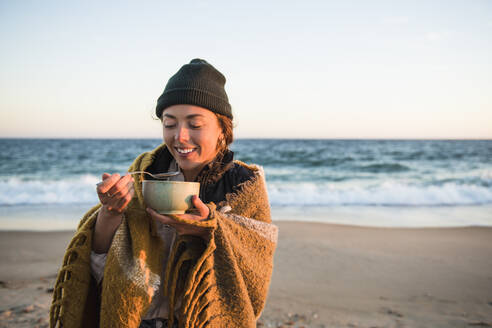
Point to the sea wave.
(383, 168)
(81, 190)
(384, 194)
(76, 190)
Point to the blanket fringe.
(70, 263)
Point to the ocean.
(47, 184)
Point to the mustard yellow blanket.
(220, 283)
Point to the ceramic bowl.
(169, 197)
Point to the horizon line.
(248, 138)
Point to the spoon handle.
(156, 176)
(144, 172)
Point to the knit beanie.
(197, 83)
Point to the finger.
(124, 201)
(200, 206)
(120, 187)
(118, 194)
(116, 202)
(104, 177)
(120, 198)
(159, 217)
(108, 183)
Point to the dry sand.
(324, 276)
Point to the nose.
(182, 134)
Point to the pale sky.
(294, 69)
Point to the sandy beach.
(325, 275)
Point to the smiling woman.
(129, 266)
(192, 135)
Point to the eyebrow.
(188, 116)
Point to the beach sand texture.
(325, 275)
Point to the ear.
(221, 142)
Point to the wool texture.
(222, 282)
(197, 83)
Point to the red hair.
(226, 126)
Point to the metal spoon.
(157, 176)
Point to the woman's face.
(191, 134)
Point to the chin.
(187, 165)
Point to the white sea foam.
(78, 190)
(82, 190)
(386, 193)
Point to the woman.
(128, 266)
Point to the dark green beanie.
(197, 83)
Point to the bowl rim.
(171, 182)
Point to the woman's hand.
(202, 213)
(115, 192)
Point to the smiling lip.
(185, 151)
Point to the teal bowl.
(169, 197)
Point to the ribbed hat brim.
(192, 96)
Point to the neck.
(191, 175)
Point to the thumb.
(200, 206)
(105, 176)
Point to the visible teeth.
(185, 151)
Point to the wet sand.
(325, 275)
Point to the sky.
(294, 69)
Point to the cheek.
(207, 141)
(167, 135)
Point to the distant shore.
(325, 275)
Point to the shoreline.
(325, 275)
(282, 222)
(66, 217)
